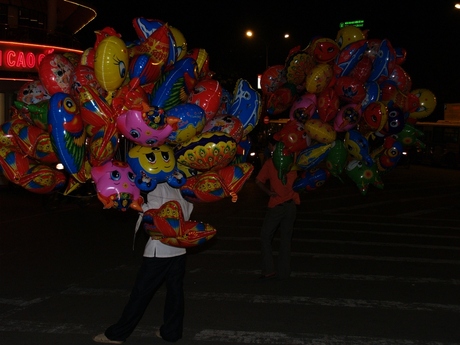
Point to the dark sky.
(430, 33)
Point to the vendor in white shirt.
(161, 263)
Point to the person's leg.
(269, 227)
(173, 314)
(286, 230)
(149, 278)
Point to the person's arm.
(264, 188)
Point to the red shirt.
(284, 191)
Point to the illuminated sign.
(357, 23)
(24, 57)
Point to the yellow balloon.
(318, 78)
(427, 103)
(347, 35)
(181, 43)
(111, 62)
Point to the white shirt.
(162, 193)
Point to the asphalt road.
(383, 268)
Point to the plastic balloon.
(94, 109)
(246, 105)
(358, 147)
(32, 92)
(298, 63)
(312, 156)
(116, 188)
(175, 85)
(327, 104)
(427, 103)
(156, 39)
(202, 60)
(131, 96)
(180, 43)
(410, 137)
(349, 90)
(206, 151)
(226, 123)
(347, 117)
(303, 107)
(211, 186)
(153, 165)
(402, 79)
(33, 141)
(207, 94)
(320, 131)
(323, 49)
(56, 73)
(375, 116)
(372, 93)
(388, 155)
(364, 175)
(35, 113)
(167, 225)
(293, 136)
(318, 78)
(362, 70)
(310, 180)
(67, 133)
(283, 163)
(144, 67)
(336, 158)
(191, 122)
(348, 35)
(111, 62)
(272, 79)
(281, 99)
(146, 128)
(395, 122)
(103, 145)
(349, 58)
(85, 76)
(384, 61)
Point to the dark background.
(429, 32)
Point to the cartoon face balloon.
(358, 146)
(32, 92)
(116, 188)
(111, 63)
(56, 73)
(153, 165)
(146, 128)
(207, 94)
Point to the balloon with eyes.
(153, 165)
(150, 128)
(293, 136)
(364, 175)
(116, 187)
(358, 147)
(388, 155)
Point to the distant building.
(28, 31)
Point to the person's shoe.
(101, 338)
(158, 333)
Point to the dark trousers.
(152, 273)
(280, 217)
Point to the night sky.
(430, 33)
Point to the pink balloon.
(303, 107)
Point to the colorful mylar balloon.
(153, 165)
(167, 225)
(56, 73)
(116, 188)
(111, 63)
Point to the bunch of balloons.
(183, 128)
(351, 109)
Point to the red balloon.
(207, 94)
(362, 69)
(272, 79)
(401, 78)
(350, 90)
(328, 104)
(56, 73)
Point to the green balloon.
(283, 163)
